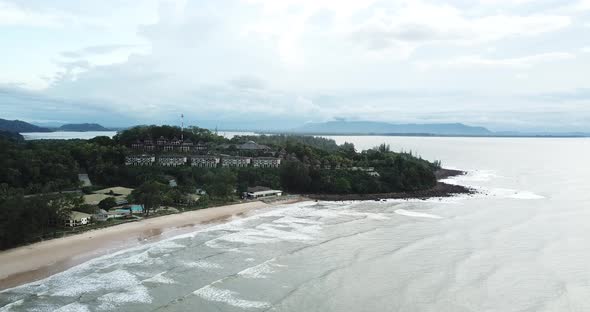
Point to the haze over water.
(520, 245)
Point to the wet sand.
(40, 260)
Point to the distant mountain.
(82, 127)
(19, 126)
(373, 127)
(13, 136)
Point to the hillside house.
(235, 161)
(266, 162)
(252, 146)
(205, 161)
(171, 160)
(139, 160)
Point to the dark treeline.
(284, 140)
(194, 134)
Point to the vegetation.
(34, 175)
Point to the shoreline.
(441, 189)
(40, 260)
(30, 263)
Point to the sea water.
(520, 244)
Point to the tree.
(107, 203)
(342, 186)
(295, 176)
(150, 195)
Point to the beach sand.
(34, 262)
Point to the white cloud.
(585, 49)
(417, 22)
(12, 15)
(482, 62)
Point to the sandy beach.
(37, 261)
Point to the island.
(83, 127)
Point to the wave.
(417, 214)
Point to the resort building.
(77, 218)
(266, 162)
(199, 147)
(100, 215)
(235, 161)
(368, 170)
(261, 191)
(186, 146)
(252, 146)
(204, 161)
(161, 141)
(140, 160)
(171, 160)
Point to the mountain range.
(82, 127)
(19, 126)
(373, 127)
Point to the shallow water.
(519, 245)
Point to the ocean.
(520, 244)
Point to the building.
(266, 162)
(100, 215)
(204, 161)
(368, 170)
(186, 146)
(171, 160)
(161, 141)
(252, 146)
(140, 160)
(262, 191)
(137, 145)
(200, 147)
(235, 161)
(77, 218)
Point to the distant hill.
(82, 127)
(19, 126)
(13, 136)
(373, 127)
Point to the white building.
(204, 161)
(140, 160)
(78, 218)
(266, 162)
(261, 191)
(171, 160)
(235, 161)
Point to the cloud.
(418, 23)
(12, 15)
(482, 62)
(97, 50)
(585, 49)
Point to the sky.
(276, 64)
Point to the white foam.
(137, 294)
(229, 297)
(416, 214)
(75, 286)
(160, 279)
(8, 307)
(73, 307)
(261, 270)
(203, 265)
(510, 193)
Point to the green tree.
(342, 186)
(107, 203)
(150, 195)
